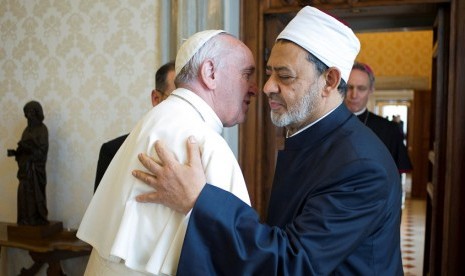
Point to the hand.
(177, 186)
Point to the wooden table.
(46, 250)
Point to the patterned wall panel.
(91, 65)
(398, 53)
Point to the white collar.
(201, 107)
(360, 112)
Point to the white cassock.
(142, 237)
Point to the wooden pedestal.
(47, 244)
(16, 231)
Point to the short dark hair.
(365, 68)
(321, 68)
(161, 74)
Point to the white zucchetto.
(191, 46)
(325, 37)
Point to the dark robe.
(31, 156)
(334, 210)
(107, 152)
(391, 135)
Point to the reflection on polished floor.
(412, 232)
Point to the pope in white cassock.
(214, 86)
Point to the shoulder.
(114, 143)
(380, 119)
(381, 124)
(358, 141)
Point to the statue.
(31, 156)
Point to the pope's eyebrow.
(249, 70)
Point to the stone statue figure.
(31, 156)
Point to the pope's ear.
(332, 79)
(207, 73)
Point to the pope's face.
(358, 91)
(293, 87)
(237, 83)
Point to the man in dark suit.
(164, 85)
(360, 86)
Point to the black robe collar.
(364, 116)
(316, 133)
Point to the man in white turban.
(335, 202)
(214, 87)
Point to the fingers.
(152, 197)
(177, 185)
(148, 198)
(145, 177)
(148, 163)
(193, 152)
(166, 157)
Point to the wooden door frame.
(454, 204)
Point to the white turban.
(325, 37)
(191, 46)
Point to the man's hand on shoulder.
(177, 185)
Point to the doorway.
(395, 111)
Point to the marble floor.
(412, 232)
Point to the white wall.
(91, 65)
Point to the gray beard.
(298, 112)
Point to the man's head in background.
(164, 83)
(360, 86)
